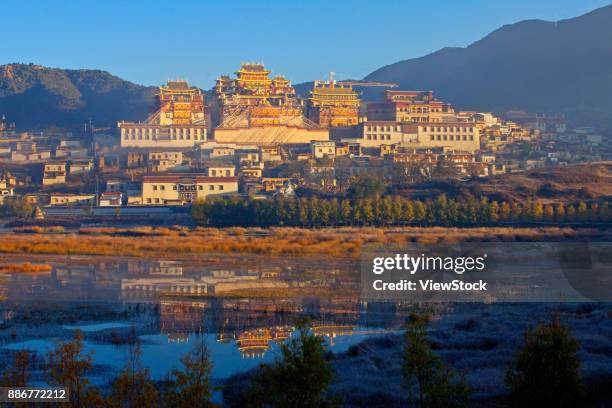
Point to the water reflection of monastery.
(181, 298)
(255, 324)
(168, 280)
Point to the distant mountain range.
(550, 67)
(33, 96)
(560, 67)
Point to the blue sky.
(148, 42)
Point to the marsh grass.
(345, 241)
(25, 268)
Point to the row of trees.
(545, 372)
(15, 207)
(68, 366)
(388, 210)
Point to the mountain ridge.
(562, 67)
(35, 96)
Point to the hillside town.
(254, 136)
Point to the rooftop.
(178, 84)
(253, 66)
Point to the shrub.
(546, 370)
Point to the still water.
(167, 304)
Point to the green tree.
(17, 375)
(429, 382)
(366, 186)
(549, 212)
(538, 211)
(420, 212)
(527, 211)
(546, 370)
(593, 213)
(67, 367)
(494, 212)
(357, 214)
(516, 211)
(409, 213)
(505, 213)
(303, 212)
(367, 210)
(190, 386)
(299, 379)
(386, 212)
(570, 213)
(200, 211)
(483, 211)
(280, 212)
(560, 212)
(315, 211)
(15, 207)
(441, 210)
(397, 210)
(334, 212)
(133, 387)
(582, 211)
(604, 212)
(325, 213)
(346, 212)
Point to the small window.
(220, 187)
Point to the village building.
(54, 173)
(333, 105)
(320, 150)
(452, 135)
(180, 120)
(160, 161)
(270, 153)
(250, 172)
(5, 190)
(256, 109)
(219, 169)
(72, 200)
(410, 106)
(81, 166)
(110, 199)
(182, 188)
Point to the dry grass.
(593, 179)
(36, 229)
(172, 242)
(25, 268)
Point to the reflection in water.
(169, 301)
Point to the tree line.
(69, 366)
(544, 372)
(392, 211)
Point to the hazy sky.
(148, 42)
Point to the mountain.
(549, 67)
(34, 96)
(562, 67)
